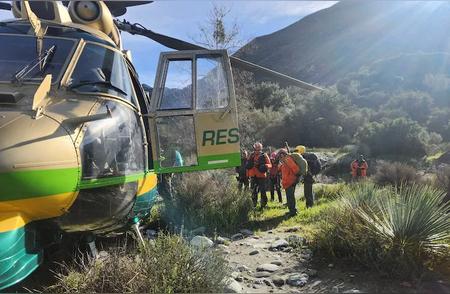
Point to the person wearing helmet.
(258, 165)
(275, 178)
(242, 172)
(289, 178)
(359, 168)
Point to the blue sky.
(182, 19)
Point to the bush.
(167, 265)
(399, 138)
(329, 192)
(209, 199)
(396, 174)
(400, 233)
(443, 180)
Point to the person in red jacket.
(289, 178)
(258, 165)
(359, 168)
(275, 178)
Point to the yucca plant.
(362, 195)
(413, 224)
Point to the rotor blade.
(119, 8)
(178, 44)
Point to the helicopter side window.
(212, 87)
(100, 69)
(113, 146)
(177, 92)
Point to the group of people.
(282, 169)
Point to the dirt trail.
(267, 262)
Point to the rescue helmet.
(257, 146)
(300, 149)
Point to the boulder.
(262, 274)
(267, 267)
(297, 280)
(246, 232)
(278, 281)
(237, 236)
(254, 252)
(279, 244)
(201, 241)
(232, 286)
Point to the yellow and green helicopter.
(81, 142)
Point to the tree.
(218, 32)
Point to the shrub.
(398, 232)
(399, 138)
(396, 174)
(167, 265)
(329, 192)
(208, 199)
(443, 180)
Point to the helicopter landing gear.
(136, 229)
(90, 240)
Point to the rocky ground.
(279, 261)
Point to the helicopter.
(82, 142)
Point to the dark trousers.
(290, 197)
(275, 186)
(259, 185)
(308, 190)
(243, 183)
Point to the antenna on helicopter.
(177, 44)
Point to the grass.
(274, 216)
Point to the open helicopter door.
(193, 115)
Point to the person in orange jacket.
(289, 178)
(275, 178)
(258, 165)
(359, 168)
(242, 177)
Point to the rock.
(297, 280)
(239, 279)
(201, 241)
(292, 230)
(277, 262)
(287, 249)
(330, 265)
(254, 252)
(295, 241)
(352, 291)
(221, 241)
(315, 284)
(312, 273)
(256, 237)
(258, 282)
(102, 255)
(278, 281)
(246, 232)
(234, 275)
(242, 268)
(151, 234)
(267, 267)
(270, 232)
(263, 274)
(232, 286)
(279, 244)
(406, 284)
(268, 283)
(352, 276)
(237, 236)
(198, 231)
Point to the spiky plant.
(413, 224)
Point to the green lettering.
(221, 134)
(233, 136)
(208, 136)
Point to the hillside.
(327, 45)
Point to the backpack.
(313, 163)
(301, 163)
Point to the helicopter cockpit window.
(177, 92)
(18, 53)
(212, 87)
(100, 69)
(113, 146)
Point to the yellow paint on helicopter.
(146, 184)
(32, 209)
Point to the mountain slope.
(325, 46)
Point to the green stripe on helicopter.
(110, 181)
(204, 163)
(37, 183)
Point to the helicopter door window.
(212, 87)
(177, 91)
(176, 146)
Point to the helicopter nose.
(39, 171)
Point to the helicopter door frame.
(188, 135)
